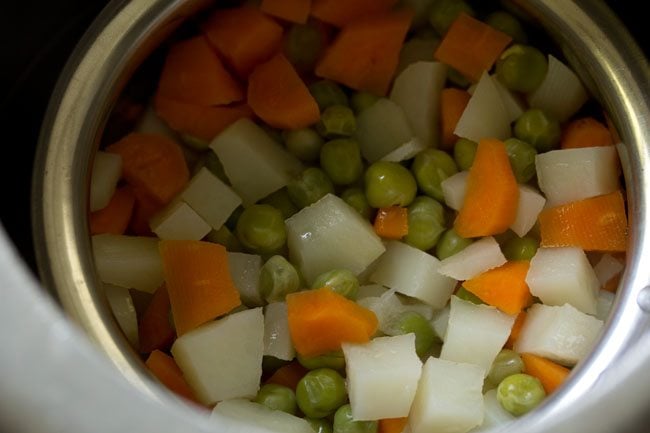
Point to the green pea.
(431, 167)
(522, 159)
(328, 93)
(304, 143)
(507, 363)
(464, 153)
(362, 100)
(389, 184)
(520, 393)
(260, 228)
(278, 278)
(412, 322)
(277, 397)
(312, 185)
(341, 281)
(468, 296)
(356, 198)
(508, 24)
(426, 221)
(225, 237)
(320, 425)
(451, 243)
(343, 422)
(539, 129)
(341, 160)
(337, 121)
(303, 45)
(457, 78)
(518, 248)
(334, 360)
(444, 12)
(521, 68)
(281, 201)
(320, 392)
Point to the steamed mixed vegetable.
(361, 216)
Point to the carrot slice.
(198, 121)
(198, 281)
(154, 329)
(392, 222)
(115, 217)
(288, 375)
(452, 104)
(503, 287)
(551, 375)
(365, 54)
(586, 132)
(490, 204)
(296, 11)
(340, 13)
(154, 163)
(244, 36)
(471, 46)
(593, 224)
(169, 374)
(193, 73)
(279, 96)
(392, 425)
(320, 320)
(515, 331)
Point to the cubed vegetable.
(382, 128)
(123, 309)
(107, 170)
(607, 268)
(277, 339)
(179, 221)
(237, 415)
(454, 188)
(245, 273)
(604, 304)
(495, 414)
(475, 259)
(440, 321)
(406, 151)
(530, 205)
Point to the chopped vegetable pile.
(361, 216)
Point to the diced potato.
(531, 203)
(604, 304)
(607, 268)
(413, 272)
(239, 415)
(568, 175)
(562, 334)
(454, 189)
(406, 151)
(107, 170)
(179, 221)
(277, 339)
(210, 198)
(328, 235)
(475, 259)
(449, 398)
(371, 291)
(440, 321)
(495, 414)
(255, 164)
(382, 128)
(123, 309)
(475, 333)
(223, 359)
(417, 90)
(132, 262)
(382, 376)
(514, 106)
(564, 275)
(245, 273)
(389, 307)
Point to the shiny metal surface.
(591, 38)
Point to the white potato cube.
(604, 304)
(607, 268)
(245, 272)
(382, 376)
(106, 172)
(406, 151)
(179, 221)
(530, 204)
(255, 164)
(382, 128)
(495, 414)
(277, 340)
(440, 321)
(454, 189)
(121, 304)
(132, 262)
(210, 198)
(370, 291)
(449, 398)
(514, 106)
(562, 334)
(475, 259)
(388, 307)
(413, 272)
(561, 276)
(568, 175)
(223, 359)
(475, 333)
(328, 235)
(239, 415)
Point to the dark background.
(36, 37)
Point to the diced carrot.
(198, 281)
(586, 132)
(503, 287)
(154, 163)
(471, 46)
(452, 104)
(490, 204)
(144, 208)
(340, 13)
(594, 224)
(169, 374)
(392, 425)
(244, 36)
(365, 54)
(392, 222)
(288, 375)
(515, 331)
(320, 320)
(279, 96)
(154, 329)
(198, 121)
(551, 375)
(296, 11)
(115, 217)
(193, 73)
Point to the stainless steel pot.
(603, 395)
